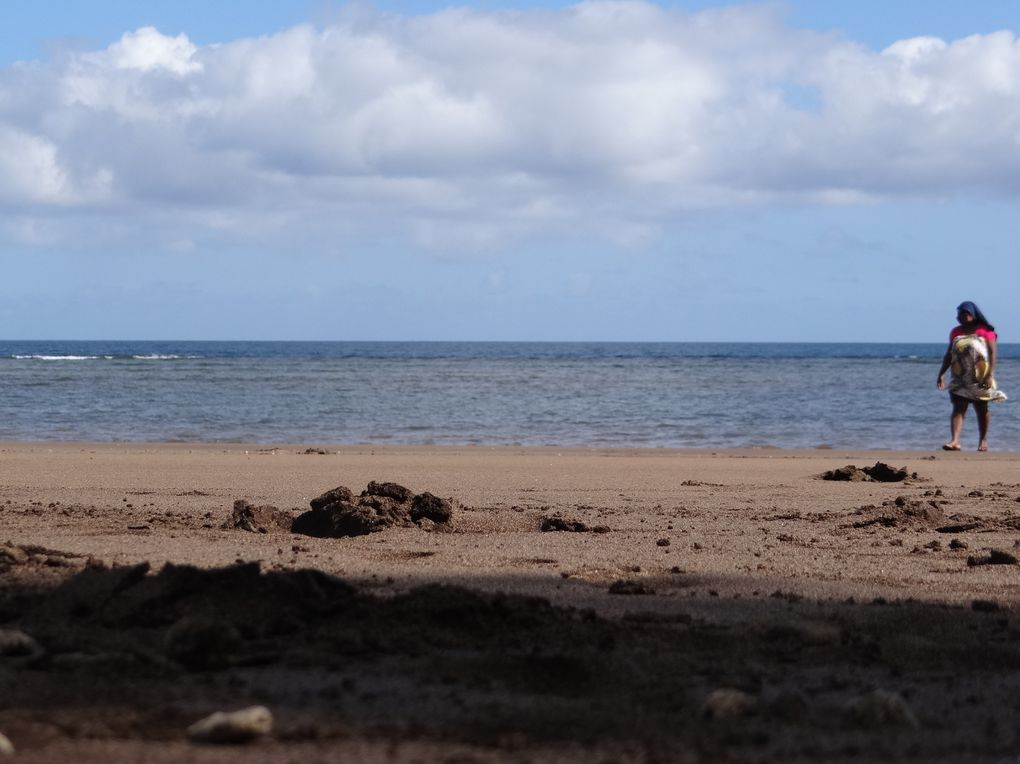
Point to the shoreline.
(338, 448)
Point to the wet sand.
(736, 606)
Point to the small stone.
(15, 643)
(6, 747)
(881, 708)
(202, 643)
(662, 542)
(232, 727)
(958, 544)
(729, 703)
(263, 519)
(430, 507)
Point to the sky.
(508, 170)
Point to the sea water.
(683, 395)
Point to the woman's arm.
(947, 359)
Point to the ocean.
(589, 394)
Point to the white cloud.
(147, 50)
(464, 127)
(29, 169)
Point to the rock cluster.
(879, 473)
(339, 512)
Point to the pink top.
(981, 331)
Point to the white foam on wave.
(58, 357)
(162, 357)
(148, 357)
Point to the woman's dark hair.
(974, 310)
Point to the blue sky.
(804, 171)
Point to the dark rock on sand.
(203, 643)
(557, 523)
(880, 472)
(344, 519)
(340, 493)
(390, 490)
(959, 527)
(985, 606)
(426, 506)
(381, 505)
(629, 587)
(262, 519)
(883, 473)
(849, 473)
(994, 557)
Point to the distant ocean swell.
(554, 394)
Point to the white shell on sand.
(729, 703)
(6, 748)
(233, 727)
(881, 708)
(14, 642)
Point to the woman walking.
(971, 356)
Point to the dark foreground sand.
(738, 608)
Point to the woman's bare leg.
(956, 422)
(984, 418)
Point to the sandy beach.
(580, 605)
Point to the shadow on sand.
(131, 654)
